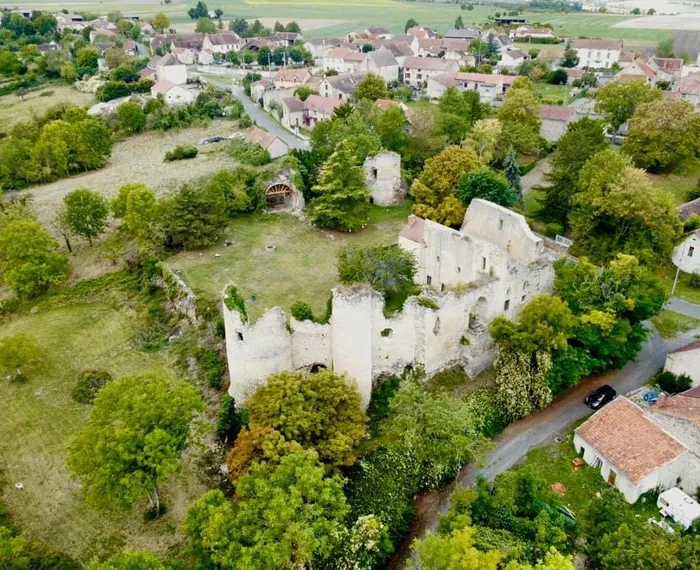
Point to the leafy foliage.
(618, 100)
(457, 112)
(19, 355)
(181, 152)
(234, 302)
(89, 383)
(371, 87)
(488, 185)
(388, 269)
(86, 213)
(228, 420)
(133, 439)
(672, 383)
(193, 217)
(520, 118)
(249, 153)
(131, 560)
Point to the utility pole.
(678, 273)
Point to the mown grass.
(78, 331)
(301, 269)
(680, 182)
(670, 324)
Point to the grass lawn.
(39, 418)
(301, 269)
(552, 463)
(670, 324)
(14, 109)
(680, 183)
(683, 289)
(554, 92)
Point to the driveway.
(684, 308)
(518, 438)
(261, 118)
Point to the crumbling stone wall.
(383, 176)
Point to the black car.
(600, 396)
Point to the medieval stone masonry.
(492, 266)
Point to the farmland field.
(343, 16)
(98, 329)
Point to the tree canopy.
(86, 213)
(372, 87)
(389, 269)
(488, 185)
(618, 100)
(520, 118)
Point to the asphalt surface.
(538, 429)
(261, 118)
(684, 308)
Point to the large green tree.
(582, 140)
(488, 185)
(520, 118)
(193, 217)
(86, 213)
(131, 560)
(618, 100)
(342, 195)
(29, 262)
(319, 411)
(663, 135)
(618, 210)
(457, 112)
(136, 206)
(372, 87)
(436, 188)
(133, 439)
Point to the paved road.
(262, 119)
(536, 430)
(684, 308)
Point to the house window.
(691, 251)
(506, 305)
(483, 263)
(430, 280)
(597, 463)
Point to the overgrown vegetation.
(183, 152)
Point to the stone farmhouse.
(418, 70)
(597, 54)
(639, 449)
(555, 120)
(491, 266)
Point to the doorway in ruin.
(277, 195)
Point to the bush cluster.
(89, 384)
(181, 152)
(249, 153)
(674, 383)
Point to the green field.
(38, 420)
(301, 269)
(319, 18)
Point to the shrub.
(249, 153)
(88, 385)
(219, 327)
(380, 404)
(672, 383)
(228, 421)
(235, 302)
(211, 367)
(553, 229)
(181, 152)
(428, 303)
(694, 280)
(302, 312)
(244, 121)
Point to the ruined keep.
(490, 267)
(383, 177)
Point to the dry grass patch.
(14, 109)
(39, 418)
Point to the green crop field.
(319, 18)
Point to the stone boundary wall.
(179, 295)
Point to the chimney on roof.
(412, 219)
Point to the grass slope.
(302, 268)
(14, 109)
(670, 324)
(39, 418)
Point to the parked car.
(600, 396)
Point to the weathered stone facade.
(282, 196)
(488, 268)
(383, 176)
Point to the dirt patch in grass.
(140, 159)
(670, 324)
(14, 109)
(302, 268)
(39, 419)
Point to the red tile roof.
(669, 64)
(695, 345)
(680, 406)
(414, 230)
(555, 113)
(630, 441)
(598, 44)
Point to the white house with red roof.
(555, 120)
(598, 54)
(639, 450)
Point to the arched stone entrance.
(277, 195)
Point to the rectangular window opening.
(506, 305)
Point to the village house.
(378, 32)
(192, 41)
(688, 89)
(257, 89)
(171, 70)
(638, 70)
(286, 39)
(400, 51)
(667, 68)
(503, 41)
(640, 450)
(597, 54)
(343, 60)
(417, 70)
(275, 146)
(102, 34)
(293, 114)
(555, 120)
(524, 32)
(69, 21)
(467, 34)
(287, 77)
(340, 86)
(512, 58)
(686, 256)
(173, 94)
(307, 114)
(491, 87)
(320, 48)
(685, 360)
(381, 63)
(422, 32)
(572, 74)
(222, 42)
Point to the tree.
(86, 60)
(388, 269)
(512, 173)
(68, 72)
(86, 213)
(14, 551)
(198, 11)
(619, 210)
(458, 111)
(205, 26)
(283, 516)
(133, 439)
(455, 551)
(319, 411)
(459, 23)
(662, 134)
(479, 49)
(342, 196)
(131, 117)
(440, 432)
(521, 382)
(136, 205)
(435, 188)
(218, 12)
(570, 58)
(488, 185)
(193, 217)
(372, 87)
(581, 141)
(160, 22)
(114, 57)
(520, 118)
(410, 23)
(618, 100)
(665, 48)
(10, 64)
(29, 263)
(19, 355)
(131, 560)
(392, 126)
(483, 138)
